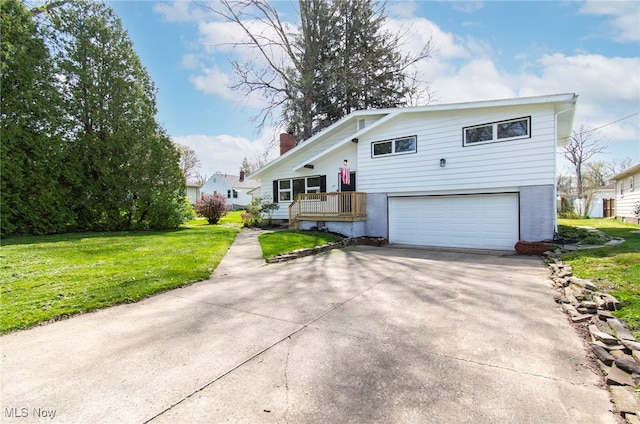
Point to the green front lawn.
(49, 277)
(279, 242)
(614, 269)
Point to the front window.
(289, 189)
(396, 146)
(284, 190)
(631, 183)
(514, 129)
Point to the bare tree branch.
(582, 147)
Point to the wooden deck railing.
(344, 206)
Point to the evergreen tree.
(34, 193)
(359, 65)
(121, 156)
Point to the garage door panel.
(473, 221)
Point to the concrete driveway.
(360, 335)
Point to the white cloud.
(625, 17)
(477, 79)
(212, 81)
(190, 61)
(418, 31)
(402, 9)
(180, 11)
(219, 36)
(467, 6)
(224, 153)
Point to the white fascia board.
(627, 172)
(392, 113)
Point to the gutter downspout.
(555, 167)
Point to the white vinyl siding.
(626, 196)
(487, 167)
(468, 221)
(328, 165)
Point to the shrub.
(212, 206)
(570, 215)
(255, 211)
(565, 205)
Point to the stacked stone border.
(368, 241)
(615, 349)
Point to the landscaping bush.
(212, 206)
(258, 207)
(570, 215)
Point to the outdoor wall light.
(443, 162)
(309, 166)
(354, 140)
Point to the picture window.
(395, 146)
(513, 129)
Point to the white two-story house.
(471, 175)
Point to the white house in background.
(192, 192)
(235, 187)
(627, 194)
(472, 175)
(602, 203)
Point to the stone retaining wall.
(615, 350)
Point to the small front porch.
(328, 207)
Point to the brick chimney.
(241, 175)
(287, 142)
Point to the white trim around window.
(492, 132)
(395, 146)
(288, 189)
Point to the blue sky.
(483, 50)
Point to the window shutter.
(323, 183)
(275, 191)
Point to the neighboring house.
(602, 204)
(471, 175)
(627, 194)
(192, 192)
(235, 187)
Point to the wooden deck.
(344, 206)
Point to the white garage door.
(488, 221)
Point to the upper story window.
(513, 129)
(396, 146)
(631, 181)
